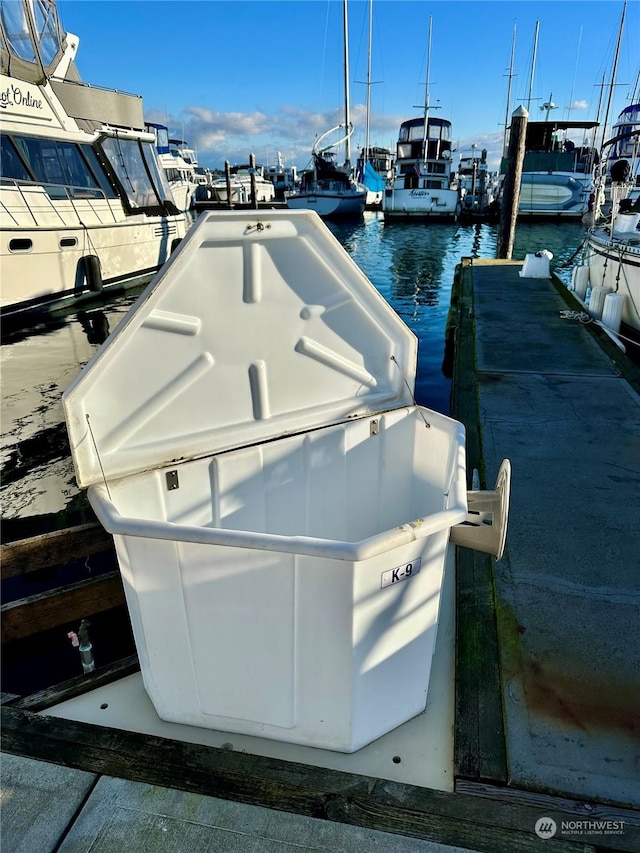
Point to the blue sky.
(233, 77)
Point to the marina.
(319, 485)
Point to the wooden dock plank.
(479, 743)
(53, 549)
(36, 613)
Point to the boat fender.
(580, 281)
(175, 243)
(92, 272)
(612, 311)
(596, 301)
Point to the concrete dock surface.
(568, 588)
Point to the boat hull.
(329, 205)
(45, 273)
(561, 194)
(615, 265)
(241, 192)
(417, 204)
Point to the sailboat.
(326, 187)
(375, 164)
(611, 250)
(421, 188)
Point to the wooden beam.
(36, 613)
(479, 740)
(455, 819)
(53, 549)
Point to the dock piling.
(511, 186)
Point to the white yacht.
(83, 202)
(284, 178)
(477, 185)
(558, 173)
(179, 164)
(240, 182)
(422, 187)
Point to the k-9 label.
(401, 573)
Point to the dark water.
(411, 265)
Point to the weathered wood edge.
(553, 803)
(53, 549)
(78, 686)
(479, 739)
(454, 819)
(26, 617)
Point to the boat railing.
(50, 193)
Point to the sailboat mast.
(366, 127)
(427, 95)
(533, 65)
(613, 74)
(347, 144)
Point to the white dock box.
(280, 507)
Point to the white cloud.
(220, 136)
(580, 105)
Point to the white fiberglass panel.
(259, 326)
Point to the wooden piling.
(511, 185)
(227, 177)
(252, 172)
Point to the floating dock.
(545, 723)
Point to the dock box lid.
(260, 325)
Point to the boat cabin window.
(18, 33)
(11, 166)
(135, 167)
(64, 168)
(16, 28)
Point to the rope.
(582, 316)
(426, 422)
(98, 455)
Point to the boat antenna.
(511, 75)
(427, 94)
(347, 144)
(533, 66)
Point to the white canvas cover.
(259, 326)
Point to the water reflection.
(95, 325)
(411, 265)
